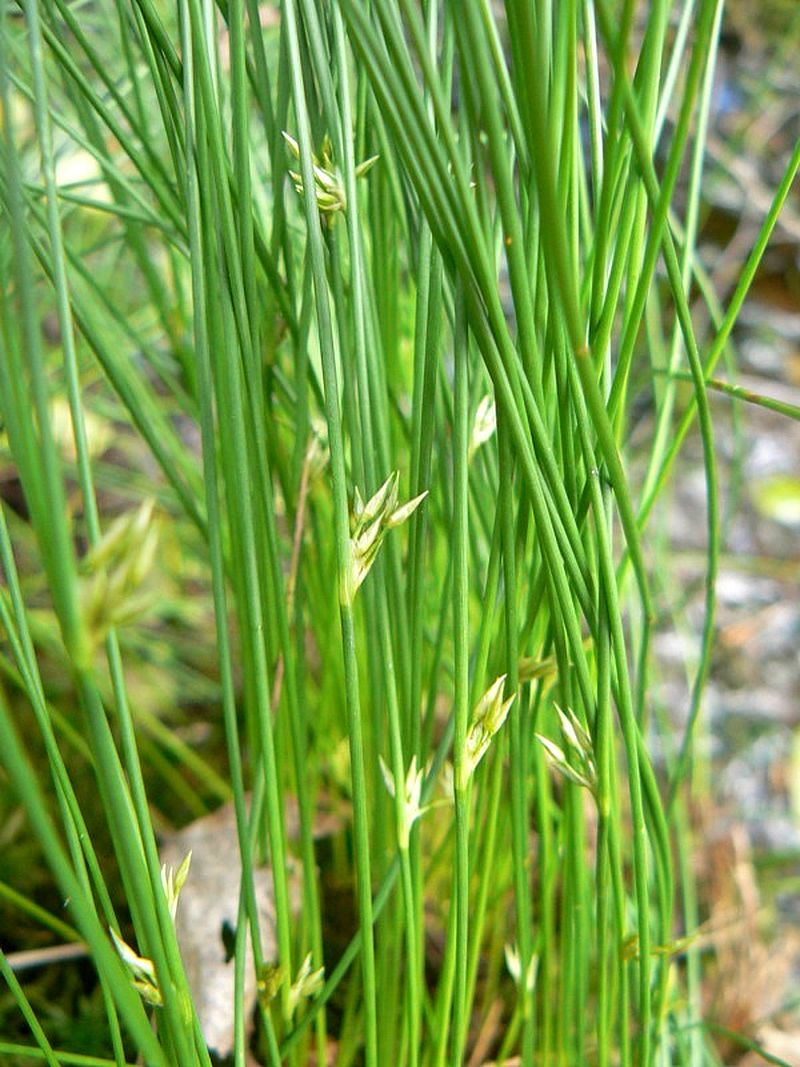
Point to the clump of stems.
(445, 271)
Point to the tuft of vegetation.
(323, 330)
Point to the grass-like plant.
(363, 295)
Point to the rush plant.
(426, 255)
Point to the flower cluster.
(306, 985)
(514, 964)
(328, 186)
(411, 796)
(370, 524)
(274, 977)
(489, 715)
(142, 969)
(577, 742)
(115, 570)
